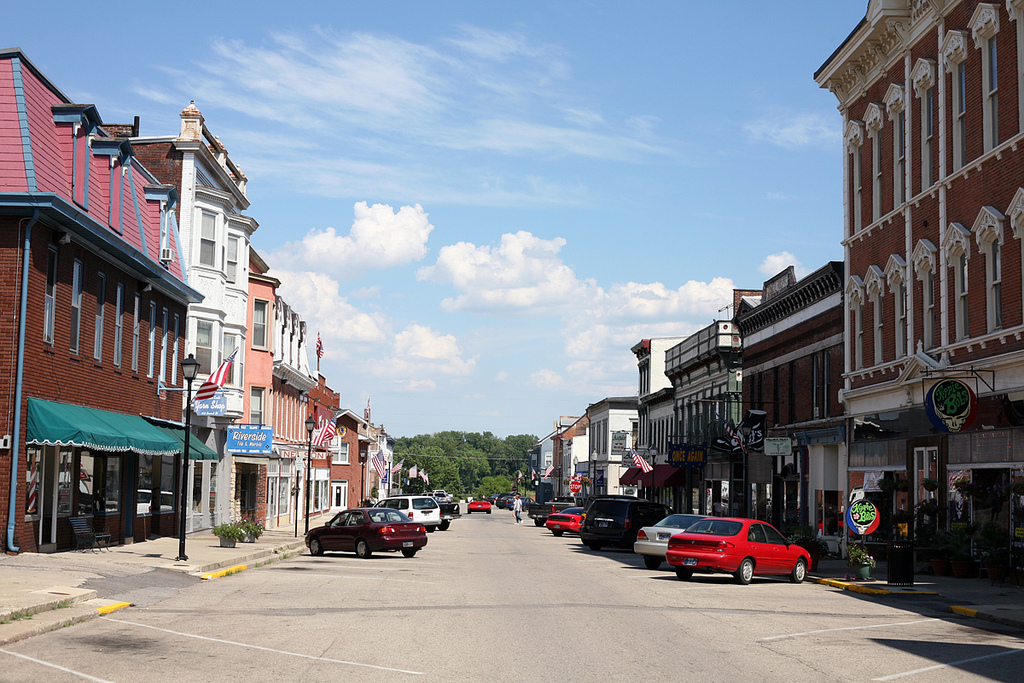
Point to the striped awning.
(64, 424)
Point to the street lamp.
(189, 369)
(310, 424)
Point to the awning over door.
(629, 476)
(662, 473)
(63, 424)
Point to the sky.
(481, 207)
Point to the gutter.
(18, 381)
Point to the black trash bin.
(900, 563)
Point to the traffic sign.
(575, 486)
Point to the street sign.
(575, 486)
(778, 445)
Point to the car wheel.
(683, 574)
(363, 549)
(488, 512)
(799, 571)
(445, 524)
(315, 547)
(594, 546)
(409, 552)
(431, 529)
(746, 572)
(556, 532)
(538, 522)
(652, 561)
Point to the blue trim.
(138, 212)
(26, 136)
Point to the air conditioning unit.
(5, 442)
(166, 254)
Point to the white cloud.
(546, 379)
(419, 351)
(776, 263)
(379, 238)
(787, 129)
(501, 376)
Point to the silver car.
(652, 541)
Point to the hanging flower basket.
(930, 484)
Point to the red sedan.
(741, 547)
(478, 506)
(367, 530)
(568, 519)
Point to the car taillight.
(641, 535)
(410, 514)
(387, 530)
(724, 545)
(674, 542)
(627, 523)
(422, 528)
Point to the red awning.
(629, 476)
(676, 478)
(662, 473)
(645, 478)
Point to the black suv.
(616, 520)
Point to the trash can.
(900, 563)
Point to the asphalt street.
(488, 600)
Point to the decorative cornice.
(893, 100)
(816, 287)
(854, 135)
(924, 259)
(855, 290)
(954, 49)
(871, 55)
(923, 76)
(874, 281)
(984, 22)
(873, 118)
(895, 271)
(988, 226)
(956, 241)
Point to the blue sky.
(482, 206)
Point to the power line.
(455, 457)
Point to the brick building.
(93, 324)
(931, 96)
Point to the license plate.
(689, 561)
(406, 544)
(663, 537)
(602, 524)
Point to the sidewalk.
(42, 592)
(980, 598)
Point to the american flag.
(424, 477)
(326, 434)
(519, 476)
(380, 466)
(736, 437)
(413, 472)
(641, 462)
(548, 472)
(533, 473)
(398, 467)
(319, 346)
(216, 380)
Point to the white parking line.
(848, 628)
(915, 672)
(58, 667)
(264, 649)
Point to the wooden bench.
(86, 536)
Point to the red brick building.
(931, 98)
(92, 323)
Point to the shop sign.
(619, 452)
(687, 455)
(951, 405)
(862, 517)
(211, 407)
(778, 445)
(250, 440)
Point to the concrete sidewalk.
(1000, 603)
(42, 592)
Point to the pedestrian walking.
(517, 509)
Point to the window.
(858, 332)
(152, 337)
(256, 405)
(341, 455)
(118, 324)
(927, 137)
(204, 346)
(163, 345)
(816, 389)
(235, 375)
(50, 299)
(231, 267)
(259, 324)
(101, 309)
(208, 240)
(899, 154)
(826, 383)
(876, 304)
(900, 308)
(995, 278)
(136, 331)
(990, 103)
(858, 188)
(174, 355)
(76, 305)
(876, 187)
(960, 117)
(928, 292)
(960, 286)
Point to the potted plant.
(252, 529)
(807, 538)
(930, 484)
(229, 533)
(859, 560)
(994, 547)
(959, 545)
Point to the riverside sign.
(250, 440)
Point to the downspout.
(13, 498)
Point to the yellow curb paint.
(846, 586)
(966, 611)
(107, 609)
(225, 572)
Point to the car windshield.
(424, 504)
(679, 521)
(715, 527)
(572, 511)
(388, 517)
(614, 508)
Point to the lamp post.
(310, 424)
(189, 370)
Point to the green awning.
(197, 450)
(62, 424)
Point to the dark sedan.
(365, 531)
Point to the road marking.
(849, 628)
(264, 649)
(57, 666)
(947, 665)
(365, 578)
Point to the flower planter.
(962, 569)
(940, 566)
(996, 573)
(227, 542)
(249, 539)
(862, 571)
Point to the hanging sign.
(862, 517)
(687, 455)
(951, 405)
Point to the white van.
(422, 509)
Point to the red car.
(478, 506)
(741, 547)
(367, 530)
(565, 520)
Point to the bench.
(86, 536)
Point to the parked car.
(615, 520)
(450, 510)
(423, 509)
(565, 520)
(539, 512)
(504, 501)
(478, 506)
(441, 493)
(365, 531)
(652, 541)
(742, 547)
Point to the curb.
(225, 572)
(865, 590)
